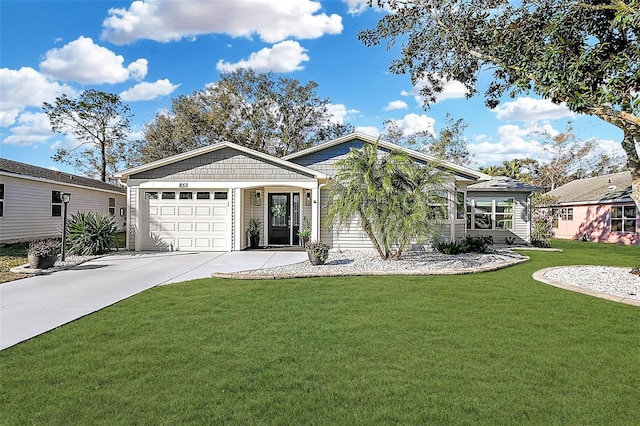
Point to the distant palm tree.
(396, 200)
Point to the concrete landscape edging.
(540, 276)
(321, 274)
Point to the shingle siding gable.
(223, 164)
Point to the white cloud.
(146, 91)
(369, 130)
(23, 88)
(530, 109)
(414, 123)
(272, 21)
(286, 56)
(452, 89)
(85, 62)
(356, 7)
(338, 112)
(393, 105)
(32, 128)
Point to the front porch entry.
(283, 219)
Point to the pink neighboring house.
(597, 209)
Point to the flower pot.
(315, 260)
(42, 262)
(254, 241)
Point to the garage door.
(188, 220)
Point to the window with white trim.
(56, 203)
(490, 213)
(566, 213)
(623, 219)
(1, 199)
(112, 206)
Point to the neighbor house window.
(623, 219)
(566, 213)
(555, 212)
(1, 199)
(56, 203)
(490, 213)
(112, 206)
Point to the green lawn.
(492, 348)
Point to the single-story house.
(205, 199)
(31, 206)
(597, 209)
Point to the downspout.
(530, 214)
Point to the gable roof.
(125, 174)
(599, 189)
(392, 147)
(503, 183)
(28, 171)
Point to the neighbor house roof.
(503, 183)
(599, 189)
(28, 171)
(124, 175)
(473, 174)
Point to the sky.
(151, 51)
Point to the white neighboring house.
(30, 203)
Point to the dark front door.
(279, 219)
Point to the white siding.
(27, 207)
(251, 211)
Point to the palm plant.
(395, 199)
(91, 233)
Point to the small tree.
(395, 199)
(542, 219)
(99, 121)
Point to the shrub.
(91, 233)
(477, 243)
(44, 248)
(446, 247)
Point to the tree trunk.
(631, 137)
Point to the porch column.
(315, 214)
(237, 219)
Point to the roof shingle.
(605, 188)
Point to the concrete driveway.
(32, 306)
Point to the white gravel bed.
(606, 279)
(354, 261)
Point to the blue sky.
(150, 51)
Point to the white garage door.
(188, 220)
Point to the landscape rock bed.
(605, 279)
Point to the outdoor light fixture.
(258, 198)
(66, 197)
(307, 199)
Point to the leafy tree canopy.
(447, 144)
(100, 122)
(272, 115)
(584, 53)
(395, 199)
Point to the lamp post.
(66, 197)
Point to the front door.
(279, 219)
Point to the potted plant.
(305, 232)
(43, 253)
(318, 252)
(254, 233)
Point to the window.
(220, 195)
(623, 219)
(186, 195)
(1, 199)
(168, 195)
(151, 195)
(556, 217)
(438, 205)
(490, 213)
(203, 195)
(56, 204)
(566, 213)
(112, 206)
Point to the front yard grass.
(491, 348)
(11, 256)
